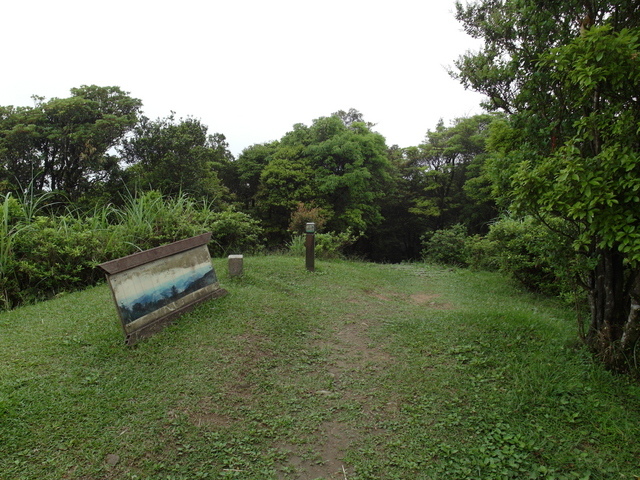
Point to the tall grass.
(43, 255)
(7, 235)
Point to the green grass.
(357, 371)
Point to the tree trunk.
(614, 297)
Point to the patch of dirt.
(429, 300)
(206, 414)
(385, 297)
(352, 353)
(326, 460)
(254, 350)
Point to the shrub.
(327, 245)
(536, 256)
(447, 246)
(54, 254)
(482, 253)
(149, 220)
(304, 215)
(234, 232)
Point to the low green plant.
(327, 245)
(10, 226)
(53, 255)
(482, 253)
(305, 214)
(148, 220)
(533, 254)
(234, 232)
(446, 246)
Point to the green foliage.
(177, 157)
(527, 250)
(55, 254)
(234, 232)
(433, 186)
(483, 253)
(351, 171)
(149, 220)
(596, 174)
(285, 182)
(568, 153)
(304, 215)
(10, 210)
(327, 245)
(64, 143)
(248, 170)
(446, 246)
(450, 163)
(337, 164)
(58, 253)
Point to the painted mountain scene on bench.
(157, 288)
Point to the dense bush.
(534, 254)
(41, 256)
(54, 254)
(483, 253)
(327, 245)
(531, 252)
(446, 246)
(233, 232)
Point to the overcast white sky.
(249, 69)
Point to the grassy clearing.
(357, 371)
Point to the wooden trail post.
(310, 243)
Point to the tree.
(351, 117)
(339, 168)
(247, 170)
(284, 183)
(570, 152)
(177, 157)
(65, 144)
(351, 172)
(397, 237)
(450, 163)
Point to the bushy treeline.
(89, 178)
(91, 147)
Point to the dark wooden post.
(310, 243)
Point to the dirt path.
(351, 354)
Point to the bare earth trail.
(354, 412)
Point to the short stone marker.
(235, 265)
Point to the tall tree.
(339, 167)
(351, 171)
(569, 73)
(65, 143)
(177, 157)
(247, 170)
(285, 182)
(449, 173)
